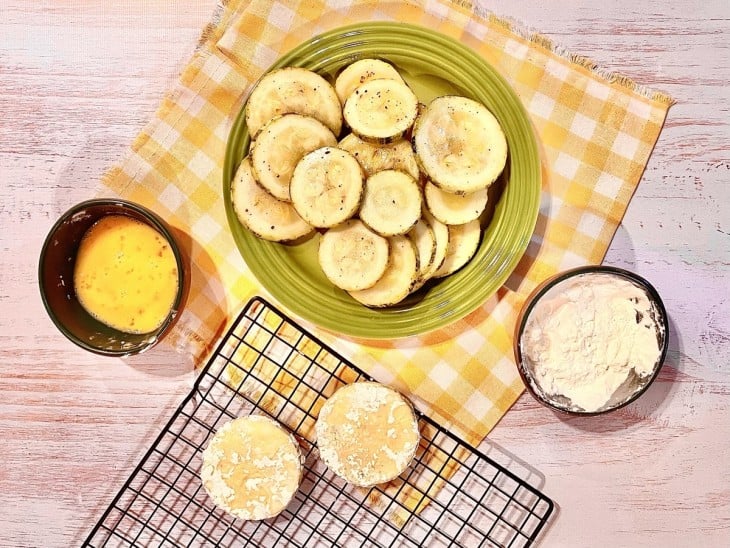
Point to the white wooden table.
(78, 79)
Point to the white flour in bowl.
(589, 335)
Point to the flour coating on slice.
(252, 468)
(367, 433)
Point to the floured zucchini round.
(367, 433)
(252, 468)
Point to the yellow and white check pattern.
(595, 133)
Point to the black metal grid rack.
(452, 495)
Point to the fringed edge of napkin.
(213, 25)
(528, 33)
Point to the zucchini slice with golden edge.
(293, 90)
(396, 282)
(261, 213)
(459, 144)
(375, 157)
(391, 204)
(280, 145)
(455, 209)
(441, 237)
(381, 110)
(352, 256)
(326, 186)
(424, 240)
(359, 72)
(463, 243)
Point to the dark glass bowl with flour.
(591, 339)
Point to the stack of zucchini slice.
(397, 188)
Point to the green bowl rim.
(529, 168)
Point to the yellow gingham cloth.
(595, 133)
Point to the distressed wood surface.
(79, 79)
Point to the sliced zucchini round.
(280, 145)
(327, 186)
(261, 213)
(396, 283)
(441, 238)
(391, 203)
(352, 256)
(359, 72)
(424, 240)
(381, 110)
(293, 90)
(375, 157)
(459, 144)
(463, 243)
(455, 209)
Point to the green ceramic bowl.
(433, 65)
(55, 279)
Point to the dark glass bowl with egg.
(56, 279)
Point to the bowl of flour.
(591, 340)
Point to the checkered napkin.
(596, 133)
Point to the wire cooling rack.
(452, 495)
